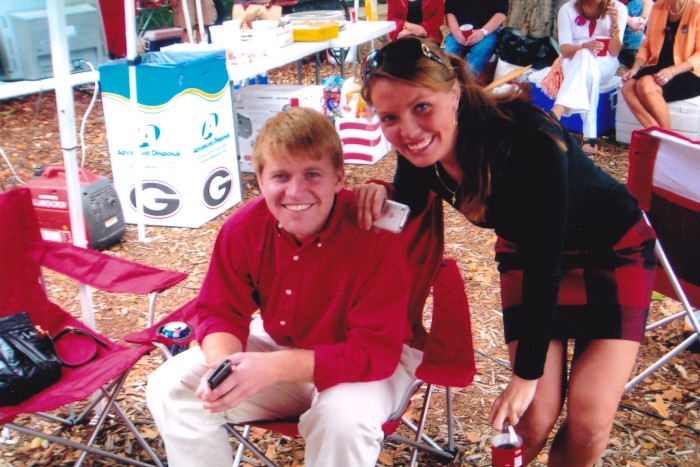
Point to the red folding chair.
(24, 253)
(448, 358)
(664, 176)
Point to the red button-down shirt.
(343, 295)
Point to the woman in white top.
(585, 61)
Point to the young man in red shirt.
(329, 344)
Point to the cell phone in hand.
(394, 216)
(220, 374)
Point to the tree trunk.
(534, 17)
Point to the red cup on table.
(507, 450)
(467, 30)
(606, 43)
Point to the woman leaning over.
(420, 18)
(667, 67)
(575, 258)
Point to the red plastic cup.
(505, 452)
(606, 42)
(467, 30)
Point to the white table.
(358, 33)
(10, 89)
(351, 35)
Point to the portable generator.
(102, 211)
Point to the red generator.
(102, 211)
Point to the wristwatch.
(485, 32)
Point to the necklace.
(452, 192)
(680, 10)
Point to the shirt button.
(288, 292)
(295, 257)
(319, 245)
(283, 323)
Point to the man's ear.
(340, 179)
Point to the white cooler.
(685, 119)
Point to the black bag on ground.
(28, 361)
(522, 50)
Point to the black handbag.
(28, 360)
(522, 50)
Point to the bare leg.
(596, 384)
(630, 91)
(539, 419)
(651, 97)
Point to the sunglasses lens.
(372, 62)
(396, 56)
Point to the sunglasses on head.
(397, 57)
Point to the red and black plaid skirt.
(602, 294)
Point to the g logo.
(217, 188)
(160, 200)
(149, 135)
(209, 125)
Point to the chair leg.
(250, 446)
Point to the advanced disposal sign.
(181, 145)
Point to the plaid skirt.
(602, 294)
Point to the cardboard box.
(308, 32)
(685, 119)
(363, 140)
(573, 123)
(255, 104)
(179, 144)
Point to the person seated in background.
(420, 18)
(585, 62)
(328, 346)
(486, 17)
(638, 12)
(250, 10)
(179, 21)
(667, 66)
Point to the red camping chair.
(24, 253)
(448, 358)
(664, 176)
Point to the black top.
(475, 12)
(547, 199)
(415, 12)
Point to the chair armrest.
(448, 355)
(105, 272)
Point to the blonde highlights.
(297, 134)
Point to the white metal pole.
(131, 56)
(65, 106)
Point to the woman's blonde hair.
(298, 133)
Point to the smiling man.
(328, 346)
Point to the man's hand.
(252, 373)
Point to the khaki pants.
(341, 425)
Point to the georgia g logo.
(160, 200)
(217, 187)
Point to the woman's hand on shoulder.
(512, 403)
(369, 199)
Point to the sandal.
(590, 147)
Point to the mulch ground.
(657, 424)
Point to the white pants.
(580, 89)
(342, 425)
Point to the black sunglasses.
(397, 57)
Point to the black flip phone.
(220, 374)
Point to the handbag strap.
(79, 332)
